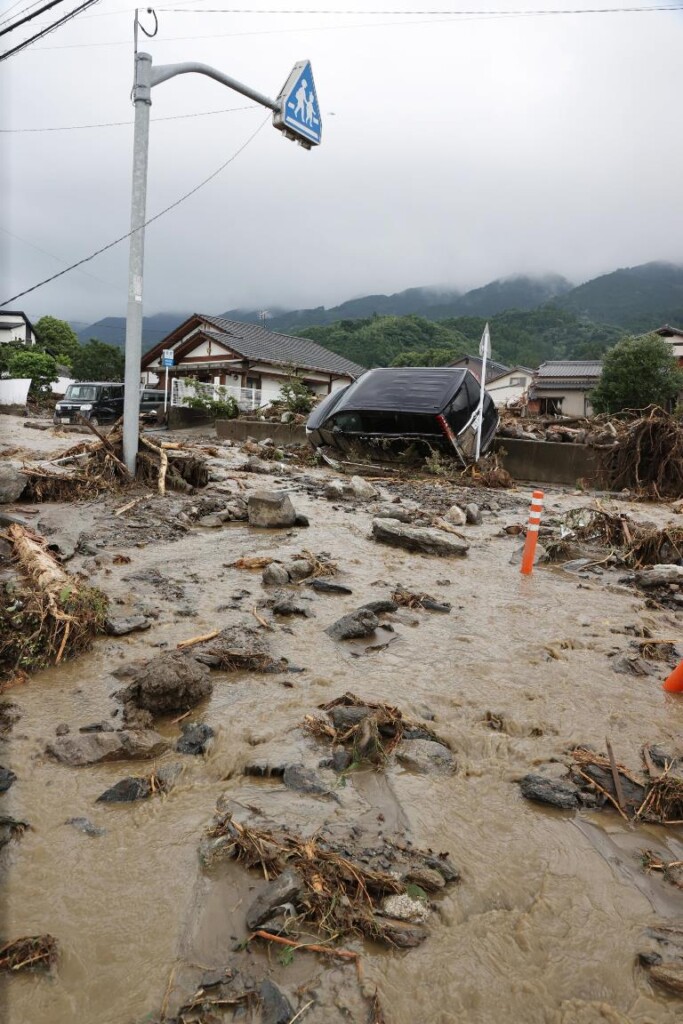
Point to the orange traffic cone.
(674, 683)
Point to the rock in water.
(168, 683)
(7, 777)
(323, 587)
(660, 575)
(363, 489)
(12, 482)
(425, 756)
(271, 509)
(430, 542)
(94, 747)
(126, 791)
(557, 792)
(455, 516)
(473, 514)
(284, 889)
(85, 826)
(120, 627)
(275, 1007)
(354, 626)
(669, 975)
(275, 574)
(305, 780)
(195, 738)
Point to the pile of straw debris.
(647, 455)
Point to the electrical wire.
(448, 18)
(435, 13)
(7, 10)
(29, 17)
(52, 256)
(117, 124)
(47, 30)
(167, 209)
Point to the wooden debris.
(29, 953)
(54, 617)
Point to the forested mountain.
(636, 298)
(524, 338)
(533, 318)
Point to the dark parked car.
(151, 402)
(99, 401)
(395, 408)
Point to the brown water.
(551, 909)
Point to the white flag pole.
(484, 352)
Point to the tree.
(636, 373)
(57, 338)
(39, 366)
(98, 361)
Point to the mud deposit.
(551, 907)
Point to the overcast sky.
(455, 150)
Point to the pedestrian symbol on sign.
(299, 114)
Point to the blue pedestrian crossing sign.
(299, 114)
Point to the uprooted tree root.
(48, 615)
(374, 736)
(647, 456)
(30, 953)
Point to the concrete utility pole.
(298, 119)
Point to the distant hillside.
(112, 329)
(517, 292)
(635, 298)
(518, 337)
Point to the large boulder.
(271, 509)
(430, 542)
(167, 684)
(660, 576)
(95, 747)
(354, 626)
(12, 482)
(283, 889)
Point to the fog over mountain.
(456, 151)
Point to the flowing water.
(551, 910)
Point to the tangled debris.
(635, 545)
(371, 730)
(331, 885)
(47, 614)
(237, 648)
(89, 467)
(647, 456)
(409, 599)
(30, 953)
(596, 780)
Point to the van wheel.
(94, 420)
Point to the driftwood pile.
(646, 456)
(635, 545)
(88, 467)
(47, 614)
(31, 953)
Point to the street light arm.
(163, 72)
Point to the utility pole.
(296, 114)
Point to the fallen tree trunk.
(47, 614)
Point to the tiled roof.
(574, 375)
(255, 342)
(493, 369)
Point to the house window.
(517, 382)
(253, 383)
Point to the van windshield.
(81, 392)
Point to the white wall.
(61, 384)
(503, 392)
(14, 392)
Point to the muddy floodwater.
(546, 922)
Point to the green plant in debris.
(437, 465)
(416, 892)
(286, 957)
(296, 394)
(220, 406)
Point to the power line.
(117, 124)
(47, 30)
(430, 13)
(449, 16)
(52, 256)
(22, 11)
(29, 17)
(122, 238)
